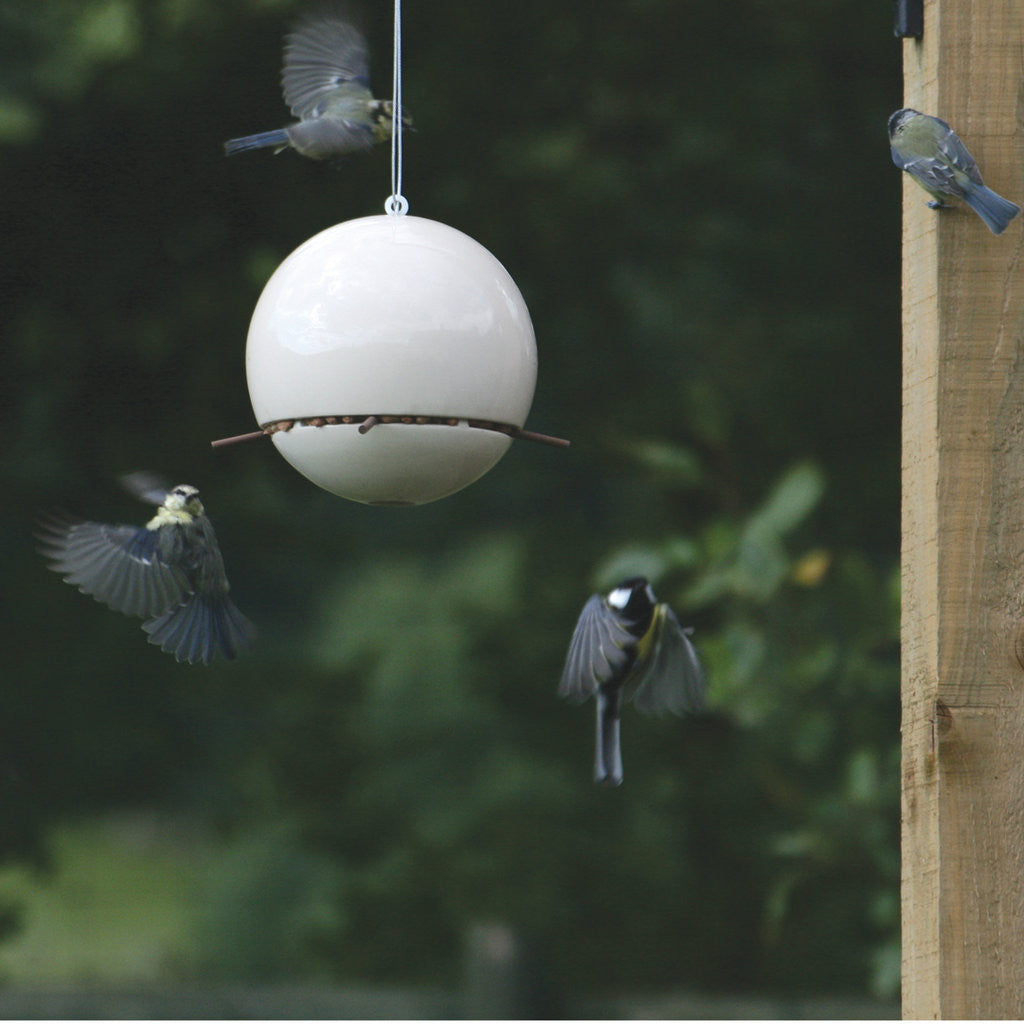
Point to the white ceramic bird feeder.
(392, 360)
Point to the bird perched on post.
(326, 83)
(933, 155)
(628, 646)
(168, 572)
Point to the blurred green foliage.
(697, 204)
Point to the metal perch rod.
(367, 423)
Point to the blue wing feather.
(117, 565)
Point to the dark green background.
(697, 203)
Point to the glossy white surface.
(394, 463)
(391, 315)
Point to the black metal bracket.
(908, 18)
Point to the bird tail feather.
(200, 628)
(608, 752)
(992, 208)
(278, 138)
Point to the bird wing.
(671, 679)
(957, 154)
(597, 651)
(324, 52)
(146, 486)
(117, 565)
(333, 133)
(933, 174)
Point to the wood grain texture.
(963, 534)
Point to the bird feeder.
(392, 360)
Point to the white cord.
(397, 204)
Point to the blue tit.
(933, 155)
(168, 572)
(628, 646)
(326, 83)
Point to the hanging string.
(397, 204)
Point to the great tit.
(933, 155)
(628, 646)
(168, 572)
(326, 83)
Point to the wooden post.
(963, 534)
